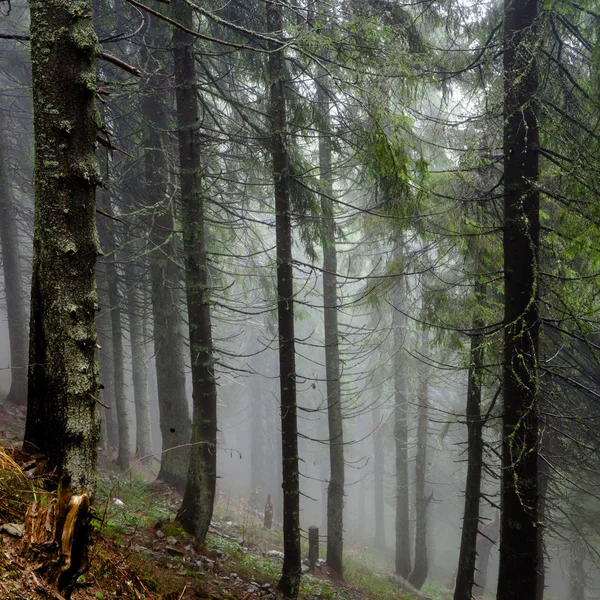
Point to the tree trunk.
(257, 448)
(165, 272)
(108, 244)
(468, 543)
(519, 492)
(139, 361)
(485, 542)
(197, 506)
(335, 495)
(418, 575)
(543, 480)
(62, 418)
(105, 353)
(577, 575)
(289, 582)
(378, 483)
(13, 282)
(403, 562)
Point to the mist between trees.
(342, 254)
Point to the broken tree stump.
(58, 532)
(313, 546)
(268, 513)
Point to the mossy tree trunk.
(62, 418)
(198, 500)
(289, 583)
(165, 272)
(13, 282)
(519, 560)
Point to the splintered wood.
(57, 530)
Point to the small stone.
(13, 529)
(240, 541)
(160, 534)
(305, 568)
(275, 554)
(265, 586)
(219, 553)
(233, 575)
(171, 541)
(252, 590)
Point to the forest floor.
(140, 552)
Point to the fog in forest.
(344, 249)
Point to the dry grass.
(13, 486)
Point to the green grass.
(141, 506)
(436, 590)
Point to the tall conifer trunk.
(13, 282)
(165, 273)
(197, 506)
(108, 242)
(468, 544)
(420, 569)
(105, 356)
(519, 492)
(289, 582)
(62, 418)
(335, 492)
(139, 359)
(403, 562)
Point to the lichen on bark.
(62, 419)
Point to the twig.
(94, 397)
(110, 146)
(111, 58)
(182, 592)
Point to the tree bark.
(485, 542)
(165, 272)
(197, 506)
(418, 575)
(13, 282)
(107, 392)
(139, 361)
(403, 561)
(108, 243)
(62, 418)
(519, 491)
(335, 493)
(289, 582)
(543, 480)
(468, 544)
